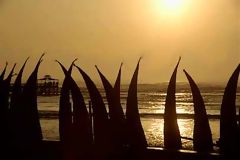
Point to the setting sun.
(172, 4)
(170, 7)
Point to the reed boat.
(136, 136)
(116, 114)
(229, 130)
(172, 137)
(97, 143)
(202, 135)
(79, 134)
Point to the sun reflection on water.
(154, 131)
(186, 130)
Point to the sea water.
(151, 101)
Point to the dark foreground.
(96, 135)
(53, 150)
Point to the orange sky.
(206, 33)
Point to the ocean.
(151, 101)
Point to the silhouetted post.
(90, 117)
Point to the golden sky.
(206, 33)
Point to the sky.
(205, 33)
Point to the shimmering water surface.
(151, 100)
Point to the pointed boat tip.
(237, 70)
(15, 64)
(58, 62)
(140, 59)
(98, 69)
(61, 65)
(42, 56)
(74, 60)
(22, 68)
(72, 64)
(40, 60)
(11, 72)
(188, 75)
(238, 66)
(4, 70)
(26, 60)
(81, 70)
(120, 68)
(184, 70)
(179, 59)
(13, 67)
(6, 65)
(77, 67)
(178, 63)
(121, 64)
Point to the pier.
(48, 86)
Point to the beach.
(151, 100)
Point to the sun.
(172, 5)
(169, 7)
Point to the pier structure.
(48, 86)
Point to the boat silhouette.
(202, 136)
(135, 132)
(172, 138)
(101, 127)
(116, 115)
(80, 138)
(113, 135)
(229, 141)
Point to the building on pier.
(48, 86)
